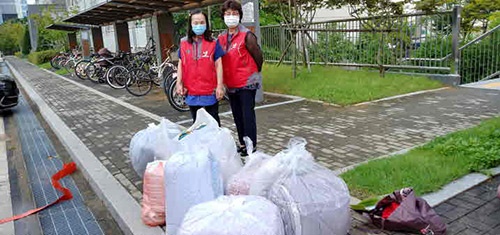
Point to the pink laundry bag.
(153, 198)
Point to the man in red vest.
(242, 64)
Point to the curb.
(6, 205)
(122, 206)
(459, 186)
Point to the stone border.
(122, 206)
(5, 197)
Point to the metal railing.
(413, 42)
(480, 58)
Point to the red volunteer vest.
(198, 74)
(237, 63)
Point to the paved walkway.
(489, 84)
(338, 137)
(475, 211)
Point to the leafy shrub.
(41, 57)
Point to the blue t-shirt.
(204, 100)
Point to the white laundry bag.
(223, 149)
(239, 184)
(311, 198)
(141, 148)
(144, 144)
(219, 141)
(233, 215)
(190, 178)
(165, 146)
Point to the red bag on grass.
(403, 211)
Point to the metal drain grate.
(68, 217)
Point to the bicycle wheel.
(178, 102)
(80, 69)
(61, 62)
(54, 62)
(69, 66)
(93, 72)
(157, 79)
(140, 82)
(117, 77)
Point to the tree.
(10, 34)
(494, 19)
(25, 42)
(47, 38)
(474, 11)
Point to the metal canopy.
(127, 10)
(67, 27)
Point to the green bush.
(41, 57)
(18, 54)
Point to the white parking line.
(256, 108)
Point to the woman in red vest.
(242, 65)
(200, 67)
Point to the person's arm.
(254, 49)
(219, 52)
(220, 85)
(179, 87)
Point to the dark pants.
(213, 110)
(242, 105)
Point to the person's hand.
(180, 90)
(219, 92)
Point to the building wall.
(137, 30)
(8, 10)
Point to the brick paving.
(475, 211)
(340, 137)
(337, 137)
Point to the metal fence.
(413, 42)
(480, 58)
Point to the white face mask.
(232, 21)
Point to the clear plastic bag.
(239, 184)
(142, 148)
(165, 146)
(312, 199)
(152, 143)
(153, 197)
(202, 131)
(285, 160)
(233, 215)
(219, 141)
(223, 149)
(190, 178)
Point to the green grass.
(339, 86)
(431, 166)
(45, 65)
(48, 66)
(62, 72)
